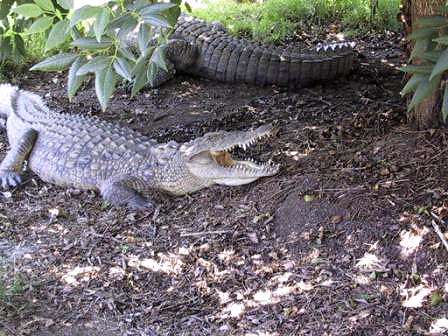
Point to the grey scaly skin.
(123, 165)
(207, 50)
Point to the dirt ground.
(340, 242)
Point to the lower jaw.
(235, 182)
(187, 188)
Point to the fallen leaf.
(308, 198)
(336, 219)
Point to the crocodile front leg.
(11, 166)
(161, 76)
(122, 191)
(180, 54)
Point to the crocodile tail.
(231, 59)
(261, 65)
(238, 60)
(8, 92)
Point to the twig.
(4, 325)
(204, 233)
(440, 234)
(437, 229)
(437, 155)
(359, 188)
(283, 191)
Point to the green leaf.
(58, 34)
(123, 68)
(420, 47)
(432, 55)
(156, 8)
(5, 48)
(436, 298)
(105, 85)
(144, 37)
(139, 82)
(85, 12)
(432, 21)
(158, 57)
(19, 47)
(5, 7)
(441, 65)
(89, 43)
(119, 21)
(45, 5)
(412, 83)
(142, 62)
(101, 22)
(126, 53)
(442, 40)
(172, 15)
(308, 198)
(424, 89)
(151, 73)
(94, 65)
(140, 71)
(74, 81)
(66, 4)
(418, 69)
(156, 20)
(125, 24)
(445, 104)
(187, 7)
(40, 25)
(423, 33)
(136, 5)
(56, 62)
(28, 10)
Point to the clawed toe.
(9, 179)
(141, 204)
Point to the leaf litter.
(340, 242)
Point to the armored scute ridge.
(207, 50)
(123, 165)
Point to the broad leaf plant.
(430, 58)
(99, 43)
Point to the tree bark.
(427, 114)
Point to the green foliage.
(98, 37)
(11, 290)
(95, 36)
(19, 19)
(430, 55)
(273, 20)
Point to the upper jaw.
(209, 158)
(225, 141)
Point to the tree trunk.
(427, 114)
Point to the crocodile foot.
(117, 193)
(9, 179)
(140, 203)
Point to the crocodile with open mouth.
(123, 165)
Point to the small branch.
(340, 189)
(4, 325)
(437, 229)
(204, 233)
(440, 234)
